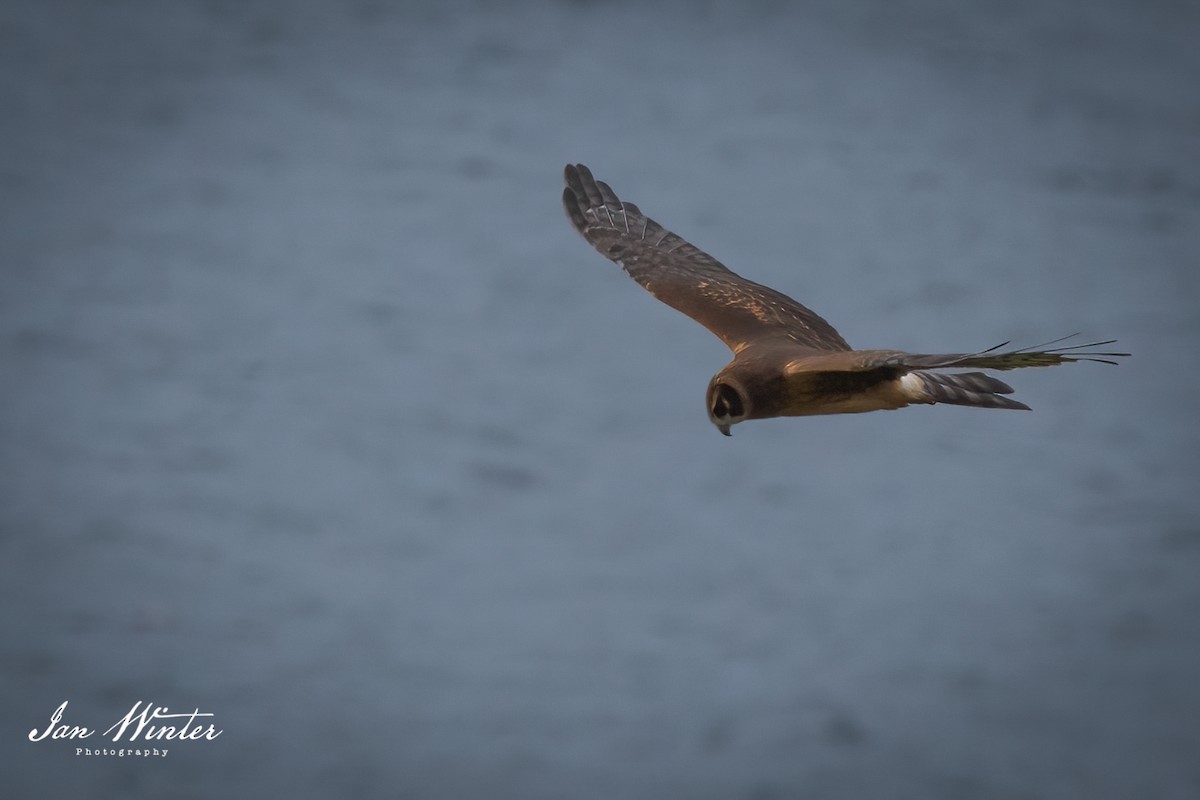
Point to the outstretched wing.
(684, 277)
(1016, 359)
(1039, 355)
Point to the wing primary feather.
(607, 194)
(1052, 341)
(994, 348)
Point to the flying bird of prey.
(787, 361)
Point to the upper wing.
(687, 279)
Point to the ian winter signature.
(144, 722)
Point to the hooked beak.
(724, 429)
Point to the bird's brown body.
(788, 361)
(806, 386)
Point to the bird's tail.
(960, 389)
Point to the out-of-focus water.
(318, 416)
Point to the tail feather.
(964, 389)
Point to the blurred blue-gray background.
(318, 416)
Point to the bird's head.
(726, 403)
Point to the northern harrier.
(787, 361)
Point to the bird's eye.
(727, 403)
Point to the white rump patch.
(913, 386)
